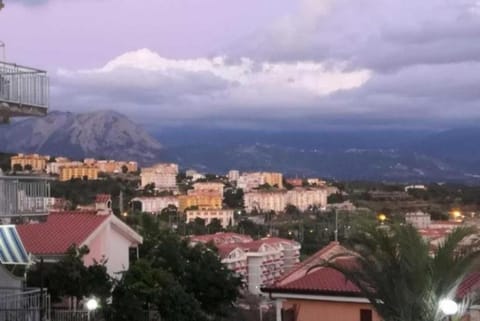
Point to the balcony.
(24, 196)
(24, 91)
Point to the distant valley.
(400, 156)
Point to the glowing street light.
(448, 306)
(382, 217)
(92, 305)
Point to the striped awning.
(12, 250)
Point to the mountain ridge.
(105, 134)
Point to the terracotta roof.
(323, 280)
(224, 250)
(312, 260)
(103, 198)
(470, 284)
(59, 232)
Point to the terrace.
(24, 196)
(24, 91)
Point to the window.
(365, 315)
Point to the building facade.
(164, 176)
(259, 262)
(250, 181)
(37, 162)
(302, 198)
(233, 175)
(201, 201)
(81, 172)
(225, 216)
(153, 205)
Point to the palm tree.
(404, 280)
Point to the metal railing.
(24, 196)
(25, 306)
(23, 86)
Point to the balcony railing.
(24, 91)
(24, 196)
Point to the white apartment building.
(265, 201)
(53, 168)
(153, 205)
(419, 220)
(233, 175)
(164, 176)
(250, 181)
(225, 216)
(207, 187)
(302, 198)
(259, 262)
(194, 175)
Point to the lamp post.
(448, 307)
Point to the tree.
(124, 169)
(17, 167)
(69, 277)
(181, 281)
(28, 167)
(395, 270)
(233, 198)
(215, 226)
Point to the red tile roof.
(324, 280)
(103, 198)
(470, 284)
(59, 232)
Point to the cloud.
(202, 88)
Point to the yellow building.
(83, 172)
(37, 162)
(273, 179)
(203, 201)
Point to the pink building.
(106, 236)
(259, 262)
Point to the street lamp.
(92, 305)
(448, 306)
(382, 218)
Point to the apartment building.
(53, 168)
(153, 205)
(194, 175)
(233, 175)
(302, 198)
(163, 175)
(207, 187)
(35, 161)
(112, 166)
(259, 262)
(418, 219)
(250, 181)
(80, 171)
(201, 201)
(265, 201)
(225, 216)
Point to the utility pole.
(336, 225)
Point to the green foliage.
(215, 226)
(233, 198)
(182, 282)
(17, 168)
(69, 277)
(396, 272)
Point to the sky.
(399, 64)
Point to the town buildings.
(114, 167)
(87, 172)
(202, 201)
(250, 181)
(35, 161)
(207, 187)
(419, 220)
(224, 216)
(163, 176)
(259, 262)
(233, 175)
(153, 205)
(194, 175)
(277, 200)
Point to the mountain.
(401, 156)
(103, 134)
